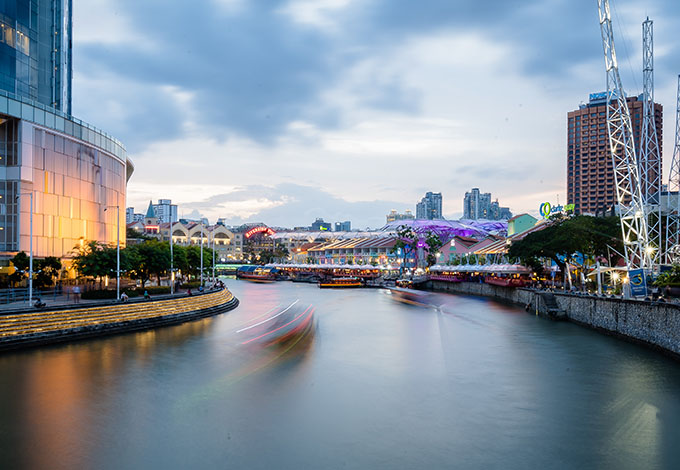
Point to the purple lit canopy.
(447, 229)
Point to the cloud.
(288, 205)
(373, 99)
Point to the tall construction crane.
(624, 159)
(673, 224)
(650, 156)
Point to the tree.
(46, 271)
(149, 258)
(95, 259)
(193, 256)
(21, 264)
(432, 245)
(561, 241)
(406, 238)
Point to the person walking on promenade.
(76, 294)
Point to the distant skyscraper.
(35, 47)
(319, 225)
(590, 172)
(345, 226)
(430, 207)
(477, 205)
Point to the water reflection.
(366, 382)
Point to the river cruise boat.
(412, 296)
(256, 274)
(341, 282)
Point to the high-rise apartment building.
(35, 51)
(430, 207)
(166, 211)
(478, 205)
(590, 172)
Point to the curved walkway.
(33, 328)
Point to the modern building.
(166, 211)
(345, 226)
(132, 216)
(430, 207)
(478, 205)
(590, 172)
(394, 215)
(320, 225)
(65, 175)
(35, 51)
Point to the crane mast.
(624, 158)
(673, 224)
(650, 156)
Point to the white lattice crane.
(673, 224)
(649, 156)
(624, 159)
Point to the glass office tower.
(75, 174)
(35, 51)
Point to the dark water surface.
(381, 385)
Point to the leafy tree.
(432, 245)
(46, 271)
(95, 259)
(20, 262)
(559, 242)
(193, 256)
(136, 234)
(406, 241)
(149, 258)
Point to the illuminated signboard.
(254, 230)
(546, 209)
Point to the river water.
(472, 384)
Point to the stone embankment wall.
(656, 324)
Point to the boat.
(341, 282)
(256, 274)
(282, 326)
(411, 296)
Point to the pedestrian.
(76, 294)
(146, 295)
(189, 292)
(124, 297)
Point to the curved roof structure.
(447, 229)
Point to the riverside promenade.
(26, 327)
(654, 324)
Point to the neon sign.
(254, 230)
(546, 209)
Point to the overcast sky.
(284, 111)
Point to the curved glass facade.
(35, 51)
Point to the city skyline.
(365, 109)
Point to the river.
(381, 384)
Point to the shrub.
(191, 285)
(106, 294)
(154, 290)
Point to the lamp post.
(117, 249)
(30, 248)
(213, 250)
(201, 253)
(172, 271)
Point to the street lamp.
(213, 250)
(201, 253)
(30, 248)
(172, 271)
(117, 249)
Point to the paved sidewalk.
(64, 300)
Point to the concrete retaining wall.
(656, 324)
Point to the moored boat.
(341, 282)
